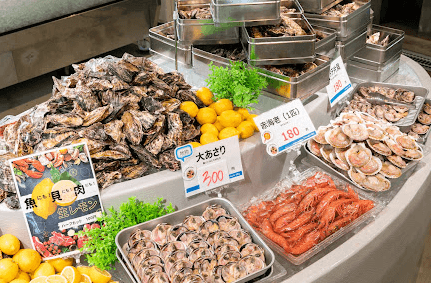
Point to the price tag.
(210, 166)
(284, 127)
(339, 82)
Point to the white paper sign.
(210, 166)
(339, 82)
(284, 127)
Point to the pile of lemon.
(25, 266)
(219, 120)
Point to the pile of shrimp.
(303, 215)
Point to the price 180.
(212, 178)
(290, 134)
(337, 86)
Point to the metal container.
(350, 47)
(192, 31)
(326, 45)
(123, 264)
(284, 3)
(178, 217)
(202, 59)
(302, 86)
(377, 54)
(318, 6)
(239, 11)
(422, 138)
(280, 50)
(360, 72)
(344, 25)
(292, 4)
(164, 46)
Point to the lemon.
(42, 196)
(222, 105)
(66, 190)
(85, 279)
(72, 274)
(3, 281)
(190, 107)
(228, 132)
(250, 119)
(59, 264)
(19, 281)
(208, 138)
(206, 115)
(246, 128)
(209, 128)
(56, 279)
(205, 95)
(195, 144)
(230, 118)
(44, 269)
(244, 113)
(9, 244)
(28, 260)
(99, 276)
(218, 125)
(8, 270)
(23, 275)
(40, 279)
(84, 270)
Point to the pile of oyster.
(375, 39)
(126, 110)
(233, 52)
(287, 27)
(197, 13)
(342, 10)
(370, 150)
(291, 70)
(208, 248)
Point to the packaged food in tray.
(204, 242)
(299, 219)
(370, 152)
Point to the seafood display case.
(353, 44)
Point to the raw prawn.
(334, 195)
(313, 198)
(294, 236)
(276, 238)
(307, 242)
(282, 211)
(328, 215)
(284, 220)
(301, 220)
(334, 227)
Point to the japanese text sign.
(210, 166)
(339, 82)
(284, 127)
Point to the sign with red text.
(339, 82)
(284, 127)
(210, 166)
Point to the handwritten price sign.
(339, 82)
(213, 175)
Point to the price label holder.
(339, 82)
(210, 166)
(285, 127)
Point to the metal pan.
(164, 46)
(349, 48)
(377, 54)
(124, 265)
(360, 72)
(344, 25)
(326, 45)
(302, 86)
(284, 3)
(239, 11)
(422, 138)
(318, 6)
(280, 50)
(178, 217)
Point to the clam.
(225, 241)
(337, 138)
(229, 257)
(241, 236)
(228, 223)
(252, 249)
(142, 255)
(343, 165)
(183, 263)
(394, 146)
(194, 278)
(189, 236)
(358, 155)
(145, 273)
(173, 258)
(215, 236)
(181, 274)
(208, 227)
(225, 249)
(320, 135)
(200, 252)
(171, 247)
(251, 264)
(350, 117)
(233, 271)
(397, 160)
(193, 223)
(159, 277)
(375, 132)
(424, 118)
(406, 142)
(198, 244)
(151, 260)
(214, 211)
(427, 108)
(393, 130)
(175, 231)
(159, 234)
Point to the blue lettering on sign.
(192, 189)
(341, 92)
(236, 174)
(181, 153)
(283, 147)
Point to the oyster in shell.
(133, 172)
(97, 115)
(379, 147)
(123, 70)
(156, 145)
(66, 120)
(420, 129)
(152, 105)
(146, 118)
(168, 160)
(343, 165)
(110, 154)
(132, 128)
(320, 135)
(397, 161)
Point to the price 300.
(216, 176)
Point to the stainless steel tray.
(124, 265)
(404, 123)
(318, 6)
(359, 72)
(292, 4)
(344, 25)
(377, 54)
(164, 46)
(280, 50)
(202, 59)
(349, 48)
(326, 45)
(239, 11)
(179, 216)
(302, 86)
(204, 31)
(422, 138)
(284, 3)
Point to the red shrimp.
(312, 198)
(286, 208)
(319, 180)
(284, 220)
(334, 227)
(294, 236)
(328, 215)
(357, 208)
(334, 195)
(307, 242)
(301, 220)
(276, 238)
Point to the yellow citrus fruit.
(209, 128)
(222, 105)
(23, 275)
(228, 132)
(3, 281)
(195, 144)
(19, 280)
(9, 244)
(206, 115)
(59, 264)
(205, 95)
(218, 125)
(230, 118)
(99, 276)
(66, 190)
(8, 270)
(246, 128)
(208, 138)
(44, 269)
(84, 269)
(72, 274)
(190, 107)
(250, 119)
(43, 199)
(56, 279)
(41, 279)
(244, 112)
(28, 260)
(85, 279)
(63, 151)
